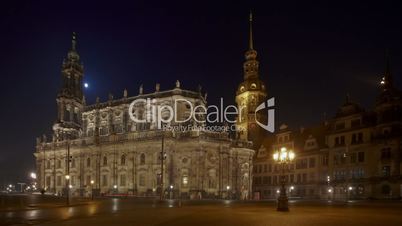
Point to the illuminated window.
(185, 180)
(253, 86)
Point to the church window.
(104, 161)
(90, 132)
(58, 180)
(122, 180)
(48, 181)
(104, 180)
(142, 180)
(142, 159)
(123, 160)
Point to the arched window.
(104, 161)
(123, 160)
(88, 162)
(142, 159)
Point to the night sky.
(311, 55)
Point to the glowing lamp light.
(291, 155)
(329, 190)
(67, 177)
(382, 81)
(115, 186)
(276, 155)
(86, 85)
(92, 181)
(33, 175)
(227, 187)
(350, 188)
(283, 155)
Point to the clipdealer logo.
(270, 127)
(162, 113)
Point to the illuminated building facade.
(354, 155)
(103, 151)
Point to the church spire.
(386, 81)
(73, 54)
(251, 65)
(73, 41)
(251, 31)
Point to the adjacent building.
(354, 155)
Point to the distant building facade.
(354, 155)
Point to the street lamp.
(171, 191)
(283, 157)
(92, 189)
(33, 176)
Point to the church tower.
(250, 94)
(70, 99)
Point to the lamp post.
(68, 160)
(283, 157)
(33, 182)
(92, 189)
(68, 186)
(162, 158)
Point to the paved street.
(149, 212)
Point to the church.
(96, 148)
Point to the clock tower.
(249, 95)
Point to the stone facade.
(103, 151)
